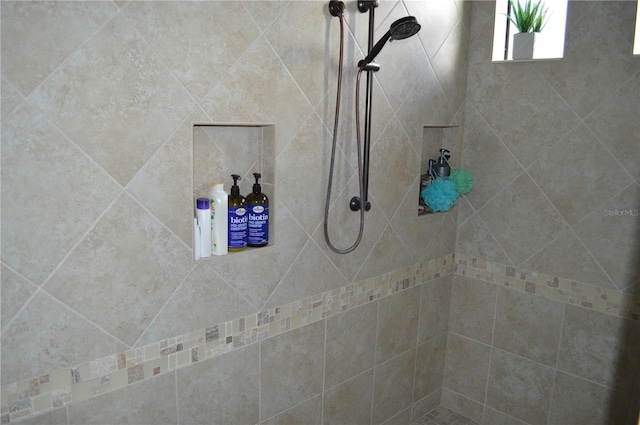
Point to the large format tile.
(163, 185)
(592, 40)
(199, 41)
(394, 167)
(221, 390)
(521, 219)
(475, 240)
(397, 324)
(150, 402)
(517, 122)
(205, 297)
(430, 361)
(393, 386)
(351, 342)
(306, 152)
(466, 367)
(350, 402)
(389, 253)
(528, 325)
(435, 299)
(519, 387)
(615, 124)
(61, 28)
(493, 167)
(46, 336)
(610, 234)
(55, 417)
(576, 400)
(566, 256)
(311, 273)
(133, 105)
(307, 412)
(472, 309)
(291, 368)
(11, 97)
(131, 265)
(592, 167)
(39, 164)
(308, 24)
(600, 347)
(272, 262)
(462, 405)
(15, 291)
(259, 94)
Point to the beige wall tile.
(16, 291)
(40, 163)
(209, 301)
(579, 401)
(131, 265)
(466, 367)
(430, 362)
(195, 38)
(599, 347)
(350, 402)
(151, 401)
(521, 219)
(472, 308)
(528, 325)
(393, 386)
(62, 28)
(231, 398)
(435, 299)
(519, 387)
(291, 368)
(309, 411)
(462, 405)
(351, 339)
(397, 324)
(50, 336)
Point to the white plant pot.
(523, 45)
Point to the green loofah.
(462, 180)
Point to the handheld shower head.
(404, 28)
(400, 29)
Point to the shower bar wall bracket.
(365, 5)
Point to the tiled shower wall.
(99, 100)
(554, 147)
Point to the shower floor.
(442, 416)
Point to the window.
(549, 43)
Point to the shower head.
(400, 29)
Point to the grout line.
(171, 354)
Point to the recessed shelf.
(433, 139)
(222, 149)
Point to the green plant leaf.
(529, 17)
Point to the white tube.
(219, 224)
(196, 240)
(203, 214)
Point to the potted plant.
(528, 19)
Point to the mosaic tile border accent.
(41, 394)
(609, 301)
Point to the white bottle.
(219, 216)
(203, 215)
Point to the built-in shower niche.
(220, 150)
(435, 138)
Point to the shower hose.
(333, 151)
